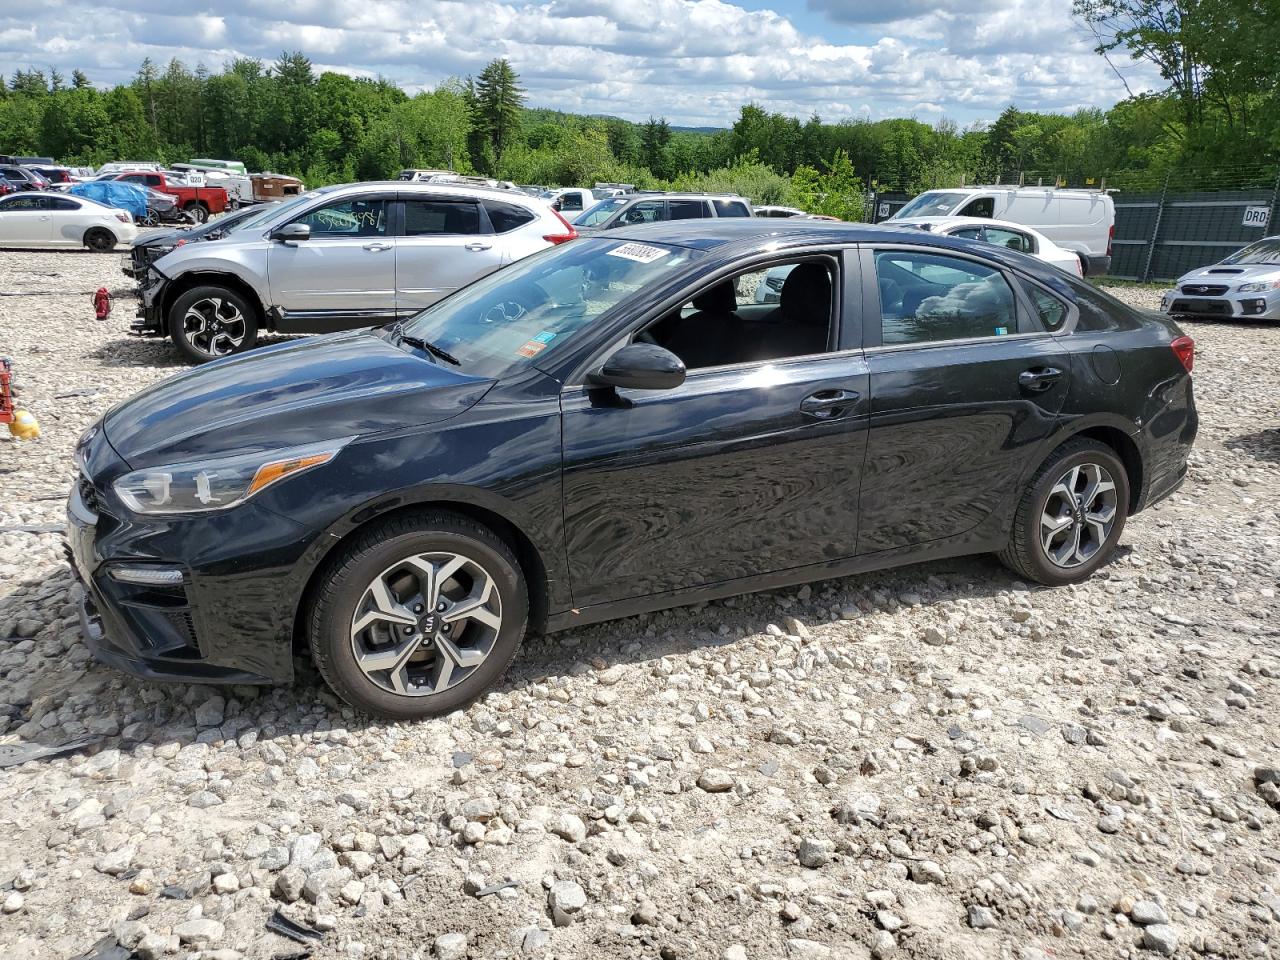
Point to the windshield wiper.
(431, 348)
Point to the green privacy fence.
(1162, 235)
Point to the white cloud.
(693, 61)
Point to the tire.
(1084, 264)
(342, 616)
(1044, 505)
(230, 323)
(199, 211)
(100, 240)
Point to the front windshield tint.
(1264, 251)
(538, 304)
(274, 210)
(931, 204)
(595, 215)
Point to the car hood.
(162, 238)
(1232, 273)
(346, 384)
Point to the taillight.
(1185, 348)
(1111, 238)
(569, 232)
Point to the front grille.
(1205, 289)
(1216, 308)
(89, 495)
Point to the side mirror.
(641, 366)
(292, 232)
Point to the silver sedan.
(1245, 285)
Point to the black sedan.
(612, 426)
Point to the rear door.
(68, 221)
(344, 275)
(965, 384)
(443, 243)
(25, 220)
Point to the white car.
(43, 218)
(1083, 221)
(1002, 233)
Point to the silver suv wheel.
(214, 326)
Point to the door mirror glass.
(291, 232)
(641, 366)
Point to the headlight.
(1260, 287)
(218, 484)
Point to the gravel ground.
(933, 762)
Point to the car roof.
(412, 186)
(973, 222)
(741, 236)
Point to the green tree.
(497, 99)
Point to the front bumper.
(1229, 305)
(231, 618)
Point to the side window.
(132, 178)
(427, 217)
(687, 209)
(968, 233)
(348, 218)
(926, 298)
(25, 204)
(646, 211)
(571, 201)
(153, 180)
(731, 208)
(1051, 311)
(63, 203)
(979, 207)
(757, 316)
(1010, 239)
(507, 216)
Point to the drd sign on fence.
(1257, 216)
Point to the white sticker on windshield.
(639, 252)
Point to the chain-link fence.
(1166, 223)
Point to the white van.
(1082, 221)
(129, 166)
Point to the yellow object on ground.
(24, 425)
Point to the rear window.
(686, 209)
(1101, 311)
(731, 208)
(507, 216)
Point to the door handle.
(478, 245)
(828, 404)
(1039, 378)
(377, 246)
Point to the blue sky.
(693, 61)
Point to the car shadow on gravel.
(157, 351)
(125, 712)
(1261, 445)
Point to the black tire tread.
(172, 321)
(1017, 553)
(97, 232)
(350, 555)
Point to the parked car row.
(610, 426)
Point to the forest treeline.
(1220, 109)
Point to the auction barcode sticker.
(639, 252)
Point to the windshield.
(595, 215)
(1264, 251)
(273, 210)
(932, 203)
(538, 304)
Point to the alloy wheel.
(1078, 516)
(426, 623)
(214, 326)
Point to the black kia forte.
(616, 425)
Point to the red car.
(200, 202)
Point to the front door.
(750, 467)
(443, 244)
(25, 219)
(344, 275)
(965, 385)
